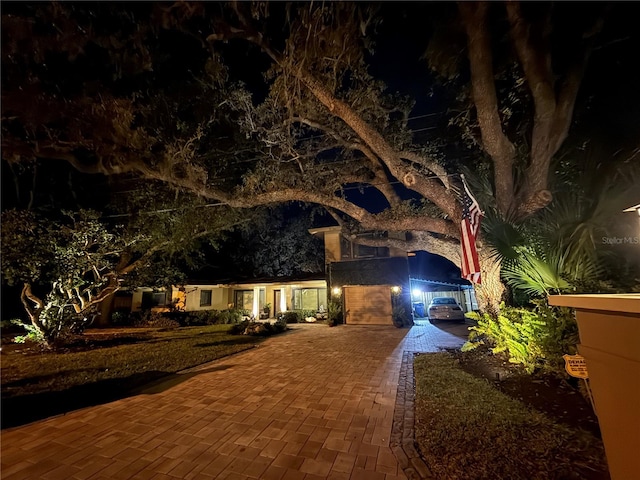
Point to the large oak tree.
(249, 104)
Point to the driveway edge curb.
(402, 441)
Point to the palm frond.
(537, 276)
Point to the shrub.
(184, 318)
(229, 316)
(121, 318)
(33, 334)
(259, 329)
(307, 313)
(536, 338)
(561, 334)
(205, 317)
(291, 316)
(239, 328)
(148, 318)
(334, 313)
(12, 326)
(400, 317)
(281, 324)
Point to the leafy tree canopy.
(249, 104)
(278, 246)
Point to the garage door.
(368, 305)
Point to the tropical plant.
(334, 313)
(400, 316)
(536, 339)
(555, 251)
(559, 249)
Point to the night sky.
(608, 106)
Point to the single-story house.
(306, 293)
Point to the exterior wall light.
(336, 291)
(395, 289)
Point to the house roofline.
(229, 282)
(463, 283)
(323, 230)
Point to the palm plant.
(559, 250)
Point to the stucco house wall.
(219, 297)
(279, 295)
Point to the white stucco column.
(256, 301)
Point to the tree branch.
(372, 138)
(430, 165)
(424, 223)
(536, 64)
(485, 99)
(26, 296)
(382, 183)
(553, 111)
(418, 240)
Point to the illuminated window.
(244, 300)
(309, 298)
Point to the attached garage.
(368, 305)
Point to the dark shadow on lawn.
(20, 410)
(25, 409)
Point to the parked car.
(445, 308)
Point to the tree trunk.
(491, 291)
(106, 309)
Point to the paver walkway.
(314, 403)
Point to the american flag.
(471, 215)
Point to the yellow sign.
(576, 366)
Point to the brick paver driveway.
(316, 402)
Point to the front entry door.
(276, 301)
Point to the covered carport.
(423, 291)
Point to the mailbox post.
(609, 328)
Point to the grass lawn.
(103, 365)
(465, 428)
